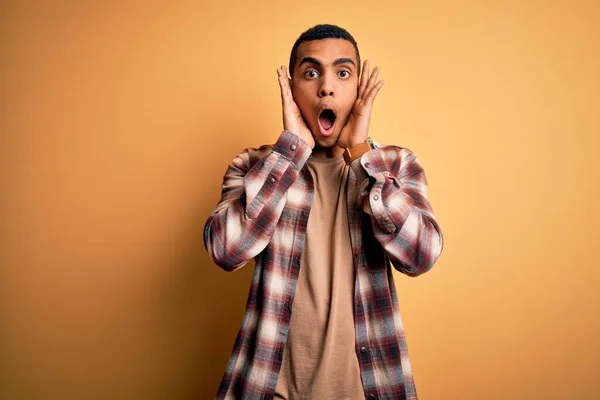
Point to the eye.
(344, 74)
(311, 74)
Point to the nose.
(325, 92)
(326, 88)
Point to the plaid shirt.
(263, 213)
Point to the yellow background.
(118, 121)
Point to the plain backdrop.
(118, 120)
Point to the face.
(325, 86)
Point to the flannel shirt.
(262, 215)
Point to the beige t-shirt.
(319, 358)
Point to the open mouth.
(327, 122)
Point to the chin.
(327, 142)
(324, 141)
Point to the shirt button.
(375, 197)
(367, 165)
(293, 147)
(363, 349)
(271, 179)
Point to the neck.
(327, 152)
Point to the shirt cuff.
(292, 147)
(359, 171)
(372, 162)
(368, 165)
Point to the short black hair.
(320, 32)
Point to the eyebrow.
(337, 62)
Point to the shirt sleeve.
(253, 195)
(393, 192)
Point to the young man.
(323, 211)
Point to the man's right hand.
(292, 118)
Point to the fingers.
(369, 87)
(364, 77)
(368, 84)
(284, 85)
(370, 96)
(372, 79)
(282, 78)
(281, 86)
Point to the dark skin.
(326, 76)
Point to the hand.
(292, 118)
(356, 129)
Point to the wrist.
(309, 140)
(356, 151)
(356, 141)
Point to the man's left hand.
(356, 129)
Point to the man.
(323, 211)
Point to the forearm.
(394, 194)
(252, 200)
